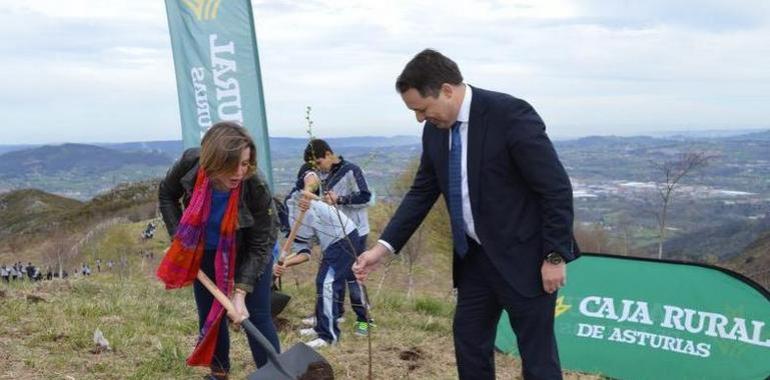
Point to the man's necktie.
(456, 192)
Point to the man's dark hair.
(316, 148)
(426, 72)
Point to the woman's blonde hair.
(221, 149)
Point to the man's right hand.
(368, 261)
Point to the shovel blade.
(278, 302)
(300, 361)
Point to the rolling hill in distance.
(717, 213)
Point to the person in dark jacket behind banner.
(228, 217)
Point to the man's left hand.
(554, 276)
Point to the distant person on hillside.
(98, 265)
(14, 273)
(109, 265)
(4, 273)
(30, 270)
(228, 218)
(510, 209)
(149, 231)
(337, 235)
(343, 186)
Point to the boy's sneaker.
(310, 321)
(317, 343)
(308, 332)
(362, 329)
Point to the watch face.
(554, 258)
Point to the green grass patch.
(433, 307)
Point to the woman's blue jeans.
(258, 305)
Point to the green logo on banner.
(643, 319)
(204, 10)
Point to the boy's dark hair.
(316, 148)
(426, 72)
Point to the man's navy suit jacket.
(520, 194)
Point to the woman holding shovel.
(227, 230)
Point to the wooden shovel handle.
(272, 355)
(221, 297)
(292, 236)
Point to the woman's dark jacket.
(257, 226)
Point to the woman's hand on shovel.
(239, 301)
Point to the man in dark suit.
(510, 206)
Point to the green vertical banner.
(217, 70)
(629, 318)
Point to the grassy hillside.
(754, 262)
(151, 330)
(27, 211)
(46, 330)
(37, 226)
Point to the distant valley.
(717, 212)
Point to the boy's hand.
(331, 198)
(304, 204)
(278, 270)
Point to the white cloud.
(102, 70)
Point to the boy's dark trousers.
(335, 268)
(356, 300)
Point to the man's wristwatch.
(554, 258)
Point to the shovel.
(278, 299)
(298, 363)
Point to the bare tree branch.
(673, 172)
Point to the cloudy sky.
(102, 70)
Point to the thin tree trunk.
(382, 281)
(662, 228)
(410, 286)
